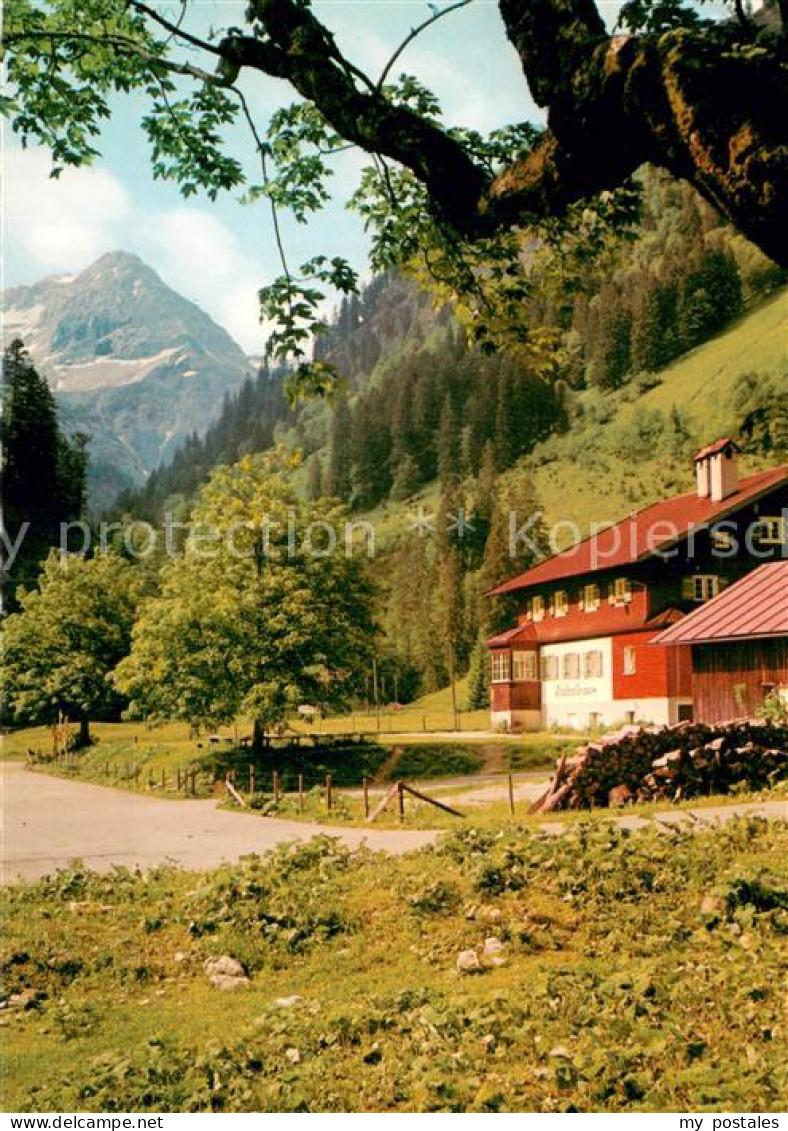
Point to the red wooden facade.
(520, 695)
(658, 671)
(739, 645)
(731, 680)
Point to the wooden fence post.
(300, 793)
(251, 778)
(178, 784)
(511, 794)
(276, 787)
(401, 801)
(328, 791)
(163, 780)
(365, 785)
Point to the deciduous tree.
(260, 614)
(71, 632)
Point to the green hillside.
(622, 452)
(619, 454)
(703, 381)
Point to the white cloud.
(51, 226)
(469, 94)
(62, 226)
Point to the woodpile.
(668, 763)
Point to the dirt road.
(49, 821)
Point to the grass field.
(638, 974)
(133, 756)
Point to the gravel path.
(49, 821)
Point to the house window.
(620, 591)
(549, 667)
(590, 598)
(523, 665)
(772, 530)
(593, 664)
(571, 665)
(701, 587)
(560, 603)
(537, 608)
(501, 667)
(594, 720)
(723, 541)
(630, 661)
(630, 718)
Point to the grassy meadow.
(632, 973)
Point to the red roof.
(643, 533)
(717, 446)
(756, 606)
(520, 634)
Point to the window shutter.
(688, 588)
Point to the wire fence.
(254, 785)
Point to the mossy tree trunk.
(706, 104)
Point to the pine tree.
(515, 512)
(407, 480)
(646, 331)
(44, 473)
(448, 447)
(505, 435)
(479, 676)
(610, 328)
(340, 466)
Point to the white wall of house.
(573, 702)
(516, 720)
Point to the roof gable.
(756, 606)
(644, 533)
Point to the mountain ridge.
(132, 363)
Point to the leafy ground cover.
(638, 974)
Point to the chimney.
(717, 470)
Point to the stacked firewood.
(668, 763)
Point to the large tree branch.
(694, 103)
(691, 102)
(699, 103)
(123, 44)
(553, 39)
(291, 43)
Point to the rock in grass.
(468, 962)
(492, 952)
(288, 1002)
(225, 973)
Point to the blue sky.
(219, 254)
